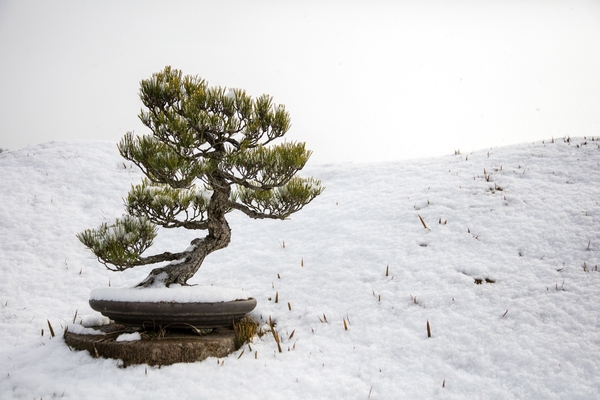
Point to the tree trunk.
(219, 236)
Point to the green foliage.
(266, 167)
(196, 120)
(167, 206)
(282, 201)
(121, 243)
(159, 162)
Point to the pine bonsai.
(210, 152)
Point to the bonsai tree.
(210, 152)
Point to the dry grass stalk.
(275, 335)
(50, 327)
(428, 330)
(245, 329)
(423, 222)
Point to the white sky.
(362, 80)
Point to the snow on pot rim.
(177, 294)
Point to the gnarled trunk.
(219, 236)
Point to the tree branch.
(166, 256)
(253, 214)
(245, 183)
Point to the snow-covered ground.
(523, 220)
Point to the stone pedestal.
(155, 348)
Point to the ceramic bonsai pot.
(201, 315)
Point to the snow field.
(526, 217)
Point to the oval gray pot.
(174, 315)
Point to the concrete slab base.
(164, 348)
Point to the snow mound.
(129, 337)
(82, 330)
(90, 320)
(178, 294)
